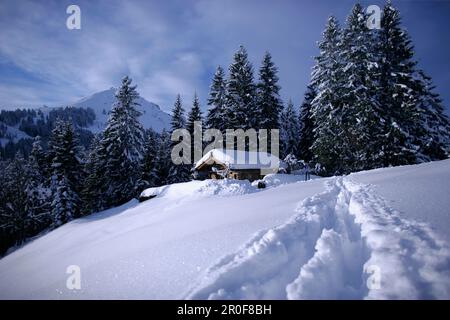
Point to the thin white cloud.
(167, 47)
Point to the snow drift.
(380, 234)
(330, 249)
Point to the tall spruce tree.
(397, 91)
(289, 130)
(163, 161)
(241, 111)
(327, 106)
(360, 116)
(123, 145)
(39, 158)
(269, 102)
(434, 138)
(65, 205)
(66, 173)
(63, 148)
(180, 172)
(178, 120)
(215, 118)
(195, 114)
(14, 218)
(94, 186)
(38, 190)
(306, 126)
(149, 175)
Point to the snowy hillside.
(324, 238)
(101, 102)
(13, 134)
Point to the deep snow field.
(379, 234)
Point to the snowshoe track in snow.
(344, 243)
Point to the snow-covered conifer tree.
(215, 118)
(360, 113)
(306, 126)
(397, 92)
(94, 185)
(65, 205)
(241, 111)
(178, 120)
(123, 143)
(163, 160)
(149, 177)
(179, 172)
(66, 173)
(194, 115)
(434, 138)
(269, 102)
(326, 106)
(13, 214)
(38, 190)
(289, 130)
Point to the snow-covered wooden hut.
(233, 164)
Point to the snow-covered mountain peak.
(101, 102)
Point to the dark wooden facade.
(220, 171)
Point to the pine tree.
(194, 115)
(163, 161)
(217, 102)
(38, 190)
(14, 219)
(268, 95)
(326, 106)
(434, 138)
(64, 154)
(289, 130)
(39, 157)
(397, 91)
(241, 112)
(360, 113)
(149, 177)
(65, 205)
(66, 173)
(94, 186)
(306, 126)
(180, 172)
(123, 145)
(178, 119)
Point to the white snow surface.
(380, 234)
(193, 190)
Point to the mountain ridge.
(101, 103)
(19, 126)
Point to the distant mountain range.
(89, 116)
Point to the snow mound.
(344, 243)
(278, 179)
(226, 187)
(199, 189)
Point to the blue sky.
(174, 46)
